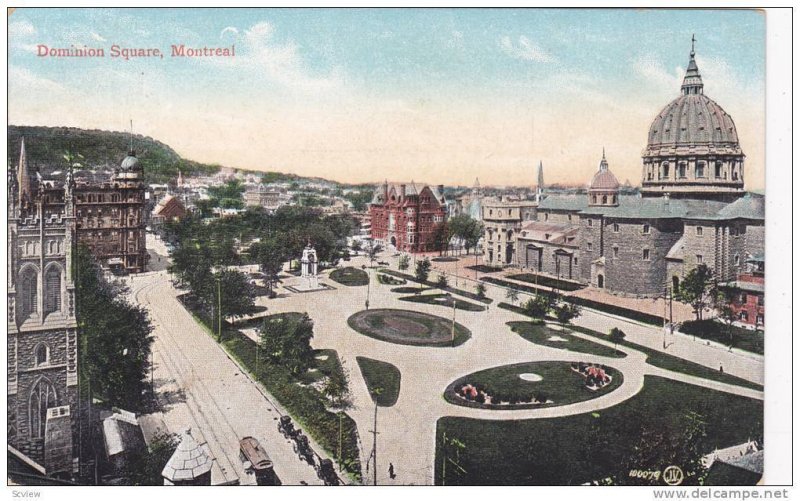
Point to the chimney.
(441, 189)
(402, 192)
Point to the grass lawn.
(738, 337)
(408, 327)
(545, 281)
(672, 363)
(433, 285)
(381, 375)
(560, 385)
(350, 276)
(572, 450)
(540, 334)
(324, 368)
(443, 300)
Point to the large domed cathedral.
(692, 209)
(692, 147)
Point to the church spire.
(603, 161)
(540, 176)
(692, 82)
(23, 178)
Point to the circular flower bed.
(515, 387)
(408, 327)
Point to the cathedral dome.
(690, 120)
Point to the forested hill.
(101, 149)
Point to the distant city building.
(268, 197)
(470, 203)
(169, 208)
(42, 338)
(503, 219)
(407, 218)
(748, 293)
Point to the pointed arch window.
(52, 288)
(43, 396)
(28, 293)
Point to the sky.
(361, 95)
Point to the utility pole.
(375, 444)
(219, 298)
(453, 332)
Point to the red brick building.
(406, 218)
(748, 302)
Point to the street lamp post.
(219, 307)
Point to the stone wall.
(590, 239)
(628, 272)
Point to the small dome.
(130, 162)
(604, 180)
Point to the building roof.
(676, 252)
(553, 233)
(189, 461)
(636, 207)
(750, 206)
(121, 433)
(754, 287)
(571, 202)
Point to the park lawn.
(573, 450)
(443, 300)
(752, 341)
(545, 281)
(382, 375)
(539, 333)
(559, 383)
(677, 364)
(376, 322)
(410, 290)
(324, 368)
(350, 276)
(411, 278)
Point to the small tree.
(404, 262)
(696, 289)
(725, 301)
(567, 312)
(538, 306)
(481, 290)
(616, 335)
(512, 295)
(441, 281)
(423, 270)
(372, 248)
(286, 340)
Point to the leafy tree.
(468, 230)
(539, 306)
(566, 312)
(114, 338)
(696, 289)
(286, 341)
(237, 293)
(356, 246)
(231, 190)
(512, 295)
(441, 281)
(359, 199)
(658, 448)
(616, 335)
(422, 270)
(442, 234)
(143, 467)
(337, 389)
(480, 289)
(404, 262)
(725, 300)
(270, 255)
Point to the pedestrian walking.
(391, 471)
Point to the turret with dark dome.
(692, 147)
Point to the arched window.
(42, 354)
(665, 170)
(52, 290)
(718, 170)
(682, 170)
(736, 260)
(700, 170)
(43, 396)
(605, 200)
(28, 293)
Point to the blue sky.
(444, 94)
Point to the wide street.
(227, 405)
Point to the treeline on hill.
(46, 146)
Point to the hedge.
(738, 337)
(544, 281)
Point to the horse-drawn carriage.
(256, 459)
(302, 448)
(286, 427)
(326, 472)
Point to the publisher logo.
(672, 475)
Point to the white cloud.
(26, 81)
(97, 37)
(19, 29)
(456, 39)
(229, 29)
(280, 62)
(525, 49)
